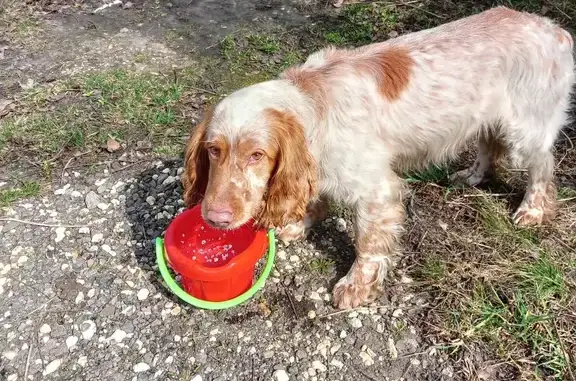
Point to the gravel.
(86, 302)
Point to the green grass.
(505, 288)
(566, 193)
(497, 223)
(26, 189)
(363, 23)
(45, 133)
(322, 265)
(433, 174)
(519, 318)
(123, 104)
(251, 57)
(141, 100)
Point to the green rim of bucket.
(178, 291)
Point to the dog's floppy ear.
(196, 163)
(294, 179)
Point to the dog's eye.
(214, 152)
(256, 156)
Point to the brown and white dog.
(343, 124)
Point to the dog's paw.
(291, 232)
(526, 216)
(468, 176)
(349, 294)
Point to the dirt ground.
(96, 102)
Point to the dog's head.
(249, 160)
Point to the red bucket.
(215, 265)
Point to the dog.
(342, 126)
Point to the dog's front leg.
(379, 224)
(315, 212)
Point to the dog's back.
(426, 94)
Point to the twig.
(7, 219)
(131, 165)
(566, 15)
(423, 10)
(204, 90)
(566, 354)
(289, 297)
(567, 199)
(412, 354)
(490, 194)
(568, 150)
(28, 361)
(69, 161)
(371, 378)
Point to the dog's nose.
(219, 217)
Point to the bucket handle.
(176, 289)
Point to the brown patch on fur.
(392, 68)
(294, 180)
(196, 163)
(564, 37)
(312, 82)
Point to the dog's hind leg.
(490, 149)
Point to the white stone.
(45, 329)
(60, 234)
(98, 237)
(281, 375)
(71, 341)
(23, 259)
(355, 323)
(76, 194)
(341, 225)
(79, 297)
(150, 200)
(196, 378)
(335, 348)
(62, 190)
(141, 367)
(118, 336)
(10, 355)
(316, 364)
(336, 363)
(82, 361)
(84, 230)
(311, 314)
(52, 367)
(392, 348)
(88, 328)
(169, 360)
(343, 334)
(169, 180)
(366, 359)
(143, 294)
(315, 296)
(108, 250)
(12, 377)
(102, 206)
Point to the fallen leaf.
(28, 85)
(5, 107)
(112, 145)
(264, 309)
